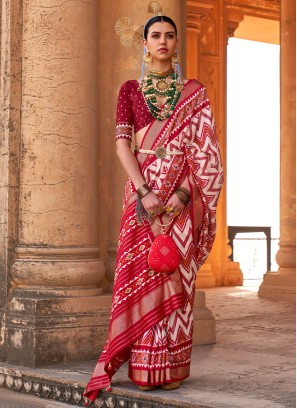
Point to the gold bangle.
(183, 194)
(184, 190)
(143, 190)
(182, 198)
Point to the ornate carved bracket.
(234, 18)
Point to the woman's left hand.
(174, 206)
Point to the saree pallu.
(151, 321)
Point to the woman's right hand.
(151, 202)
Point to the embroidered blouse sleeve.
(124, 119)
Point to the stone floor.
(251, 365)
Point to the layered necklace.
(162, 87)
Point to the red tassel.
(108, 389)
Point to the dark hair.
(157, 19)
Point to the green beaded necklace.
(171, 90)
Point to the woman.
(175, 177)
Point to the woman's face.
(161, 41)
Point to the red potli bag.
(164, 256)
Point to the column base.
(205, 277)
(55, 311)
(204, 322)
(234, 276)
(43, 329)
(279, 285)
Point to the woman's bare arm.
(131, 166)
(129, 162)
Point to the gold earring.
(175, 59)
(147, 57)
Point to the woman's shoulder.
(129, 85)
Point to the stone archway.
(253, 199)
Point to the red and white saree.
(151, 321)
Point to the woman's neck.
(160, 66)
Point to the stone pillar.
(206, 22)
(205, 277)
(10, 108)
(281, 285)
(234, 275)
(204, 322)
(193, 44)
(54, 299)
(232, 19)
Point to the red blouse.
(132, 111)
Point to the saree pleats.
(163, 353)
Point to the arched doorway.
(209, 25)
(253, 141)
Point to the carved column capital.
(194, 21)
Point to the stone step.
(54, 387)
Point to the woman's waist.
(160, 152)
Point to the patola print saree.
(151, 321)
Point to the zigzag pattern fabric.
(151, 322)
